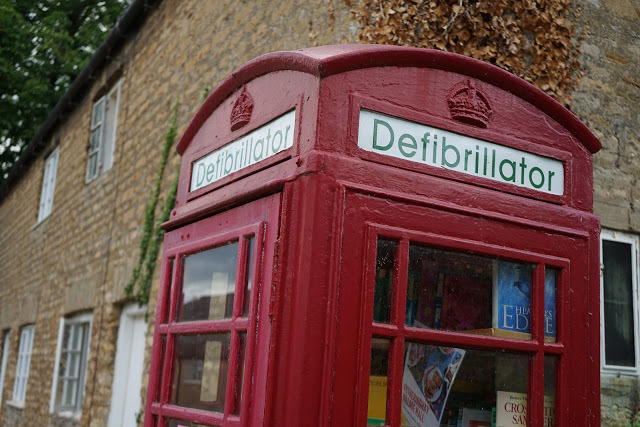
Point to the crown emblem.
(241, 111)
(469, 105)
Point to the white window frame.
(73, 410)
(102, 135)
(48, 185)
(634, 241)
(23, 363)
(5, 355)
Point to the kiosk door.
(461, 315)
(210, 350)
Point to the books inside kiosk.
(469, 294)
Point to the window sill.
(70, 415)
(37, 224)
(16, 405)
(619, 373)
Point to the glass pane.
(180, 423)
(385, 259)
(209, 282)
(377, 409)
(94, 141)
(449, 386)
(76, 331)
(200, 366)
(468, 293)
(93, 165)
(619, 340)
(61, 391)
(167, 295)
(550, 375)
(242, 345)
(97, 112)
(550, 289)
(163, 350)
(249, 276)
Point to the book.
(413, 286)
(377, 407)
(476, 417)
(511, 409)
(512, 298)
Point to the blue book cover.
(512, 298)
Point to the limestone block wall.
(79, 259)
(607, 99)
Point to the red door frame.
(258, 219)
(365, 215)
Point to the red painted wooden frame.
(445, 230)
(258, 221)
(397, 332)
(314, 331)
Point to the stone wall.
(607, 99)
(80, 258)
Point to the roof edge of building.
(130, 21)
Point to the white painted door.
(127, 376)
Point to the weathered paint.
(334, 198)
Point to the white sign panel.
(402, 139)
(262, 143)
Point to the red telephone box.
(376, 235)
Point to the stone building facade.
(76, 261)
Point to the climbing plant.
(534, 39)
(152, 232)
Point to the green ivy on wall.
(152, 232)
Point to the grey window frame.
(634, 242)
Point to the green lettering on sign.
(440, 148)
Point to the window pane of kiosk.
(167, 295)
(377, 408)
(180, 423)
(550, 375)
(550, 289)
(249, 276)
(449, 386)
(163, 349)
(461, 292)
(385, 258)
(242, 345)
(200, 371)
(209, 281)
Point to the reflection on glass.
(446, 386)
(249, 276)
(167, 295)
(200, 371)
(461, 292)
(617, 289)
(550, 375)
(242, 345)
(208, 286)
(163, 349)
(550, 280)
(385, 258)
(180, 423)
(377, 409)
